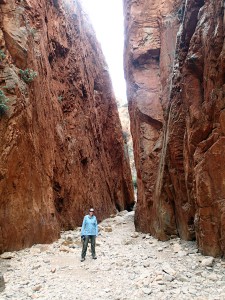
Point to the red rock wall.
(61, 143)
(186, 181)
(150, 29)
(201, 92)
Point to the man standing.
(89, 230)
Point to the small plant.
(60, 98)
(10, 88)
(3, 103)
(33, 31)
(28, 75)
(2, 55)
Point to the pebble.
(37, 288)
(107, 229)
(7, 255)
(135, 235)
(129, 265)
(146, 291)
(207, 262)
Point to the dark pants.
(85, 244)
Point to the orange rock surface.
(61, 146)
(174, 60)
(150, 31)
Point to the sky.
(107, 19)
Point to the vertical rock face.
(202, 91)
(181, 177)
(151, 29)
(61, 141)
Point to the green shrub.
(3, 103)
(28, 75)
(60, 98)
(2, 55)
(33, 31)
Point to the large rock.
(61, 146)
(180, 166)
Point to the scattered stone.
(64, 249)
(147, 291)
(182, 278)
(7, 255)
(67, 243)
(118, 220)
(182, 253)
(100, 228)
(168, 278)
(37, 288)
(143, 269)
(135, 235)
(35, 251)
(213, 277)
(146, 264)
(44, 248)
(127, 242)
(207, 262)
(122, 213)
(167, 269)
(176, 248)
(36, 267)
(159, 277)
(132, 277)
(46, 261)
(108, 229)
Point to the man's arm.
(96, 227)
(83, 226)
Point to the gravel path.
(130, 265)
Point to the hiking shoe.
(94, 257)
(82, 259)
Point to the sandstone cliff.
(174, 60)
(61, 146)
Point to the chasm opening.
(108, 22)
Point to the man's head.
(91, 211)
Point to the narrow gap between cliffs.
(107, 20)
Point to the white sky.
(107, 19)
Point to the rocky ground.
(130, 265)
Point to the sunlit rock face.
(174, 66)
(149, 53)
(61, 141)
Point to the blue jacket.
(89, 226)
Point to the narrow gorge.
(62, 149)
